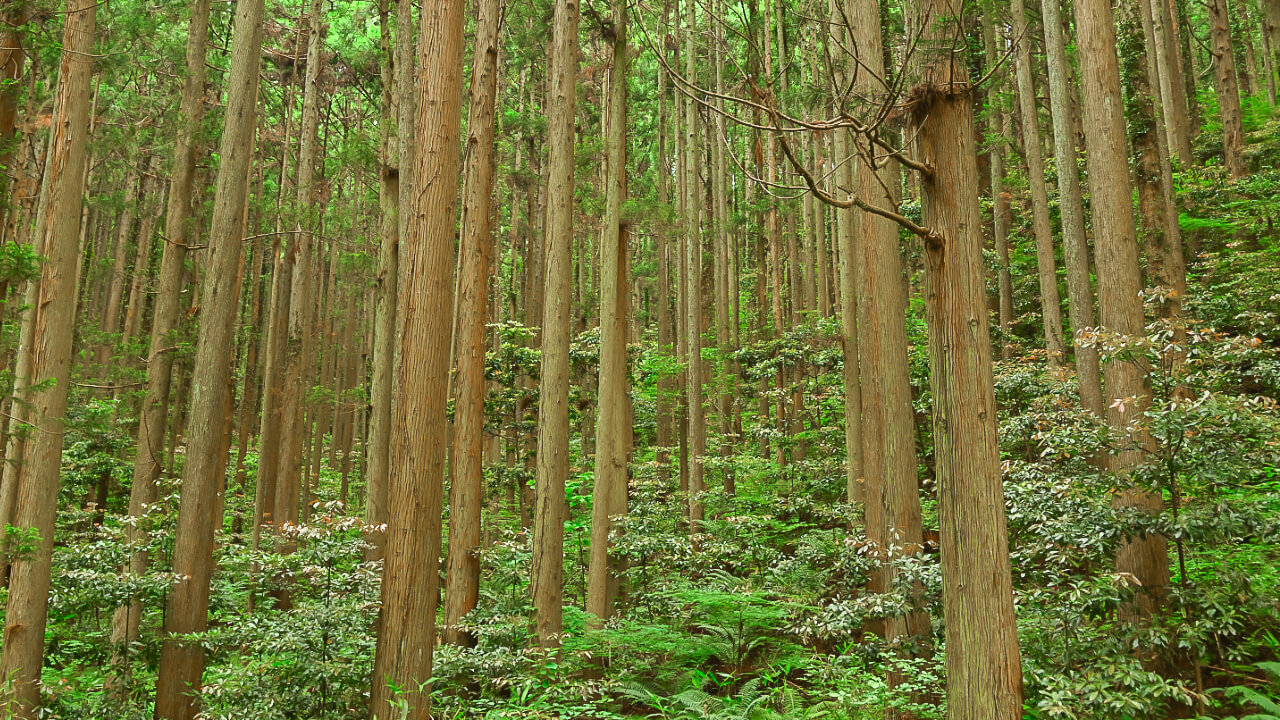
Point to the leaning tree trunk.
(182, 660)
(151, 424)
(47, 337)
(466, 494)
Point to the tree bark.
(609, 496)
(1119, 277)
(466, 493)
(1075, 247)
(46, 372)
(553, 412)
(1050, 300)
(181, 661)
(411, 575)
(1224, 67)
(151, 424)
(984, 674)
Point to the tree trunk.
(411, 575)
(151, 424)
(1173, 89)
(1224, 67)
(998, 129)
(1119, 278)
(609, 497)
(182, 661)
(984, 675)
(1050, 300)
(553, 412)
(692, 309)
(466, 494)
(46, 338)
(1075, 248)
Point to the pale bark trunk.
(1271, 32)
(115, 280)
(984, 674)
(1075, 247)
(692, 310)
(182, 661)
(1173, 89)
(411, 575)
(609, 497)
(553, 411)
(1119, 278)
(998, 128)
(46, 338)
(1050, 300)
(298, 343)
(466, 493)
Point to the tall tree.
(692, 295)
(466, 493)
(1050, 300)
(984, 673)
(143, 491)
(1075, 248)
(609, 496)
(1119, 277)
(45, 361)
(547, 587)
(1222, 57)
(411, 577)
(181, 659)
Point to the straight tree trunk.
(46, 373)
(1050, 300)
(693, 287)
(998, 128)
(609, 496)
(984, 674)
(182, 661)
(1173, 89)
(1119, 279)
(1271, 32)
(411, 575)
(143, 491)
(466, 493)
(1224, 68)
(115, 281)
(547, 586)
(298, 343)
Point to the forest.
(619, 359)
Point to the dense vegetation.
(711, 359)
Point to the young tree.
(44, 367)
(181, 660)
(466, 494)
(411, 577)
(547, 587)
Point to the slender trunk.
(1173, 89)
(1050, 301)
(609, 498)
(47, 337)
(466, 492)
(998, 130)
(110, 324)
(182, 661)
(553, 412)
(1222, 56)
(155, 404)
